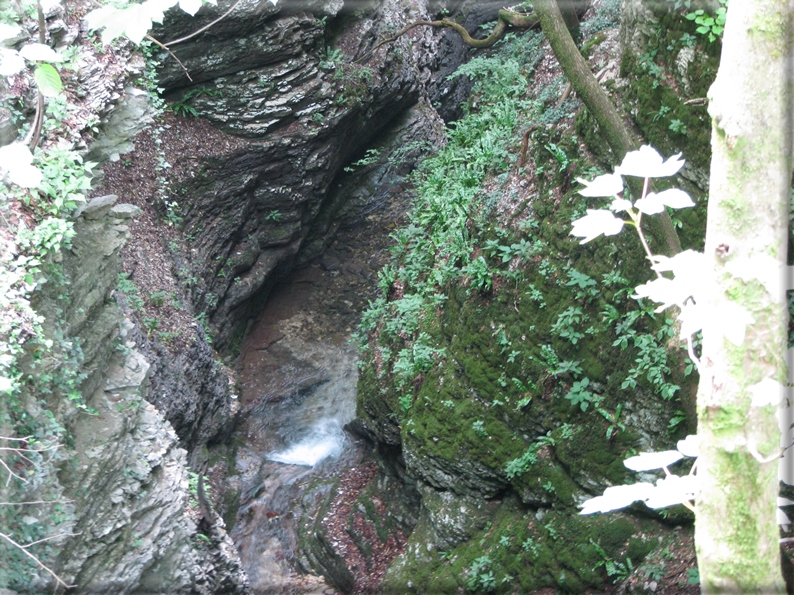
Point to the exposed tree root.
(505, 19)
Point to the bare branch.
(24, 449)
(11, 473)
(173, 55)
(50, 538)
(22, 549)
(32, 502)
(204, 28)
(506, 18)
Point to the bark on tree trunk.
(617, 135)
(736, 532)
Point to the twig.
(22, 549)
(564, 95)
(173, 55)
(396, 36)
(35, 131)
(751, 446)
(11, 473)
(637, 223)
(204, 28)
(19, 450)
(505, 18)
(644, 242)
(525, 145)
(16, 448)
(568, 88)
(38, 121)
(691, 352)
(50, 538)
(31, 502)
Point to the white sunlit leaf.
(133, 22)
(733, 320)
(691, 319)
(650, 205)
(10, 62)
(766, 393)
(15, 163)
(620, 204)
(190, 6)
(6, 384)
(26, 176)
(617, 497)
(605, 185)
(664, 291)
(139, 21)
(786, 467)
(782, 518)
(39, 52)
(8, 31)
(688, 263)
(672, 490)
(648, 163)
(761, 267)
(649, 461)
(157, 8)
(595, 223)
(112, 21)
(675, 198)
(689, 446)
(690, 271)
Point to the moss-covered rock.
(531, 372)
(521, 550)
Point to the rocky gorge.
(220, 269)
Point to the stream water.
(299, 376)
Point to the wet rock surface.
(297, 368)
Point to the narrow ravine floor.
(298, 375)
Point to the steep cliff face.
(121, 482)
(108, 497)
(286, 78)
(127, 474)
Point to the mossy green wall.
(510, 338)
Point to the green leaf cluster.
(711, 26)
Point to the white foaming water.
(325, 439)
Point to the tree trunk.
(736, 532)
(617, 135)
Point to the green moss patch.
(522, 551)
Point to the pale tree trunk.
(736, 532)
